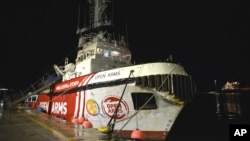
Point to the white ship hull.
(96, 96)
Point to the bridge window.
(106, 53)
(34, 98)
(115, 53)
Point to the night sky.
(211, 40)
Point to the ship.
(104, 88)
(234, 86)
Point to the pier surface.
(33, 125)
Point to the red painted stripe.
(79, 93)
(84, 99)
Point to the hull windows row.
(182, 86)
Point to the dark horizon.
(210, 41)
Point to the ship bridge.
(101, 54)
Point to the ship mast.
(99, 20)
(98, 16)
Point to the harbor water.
(209, 116)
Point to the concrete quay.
(27, 124)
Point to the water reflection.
(228, 105)
(1, 108)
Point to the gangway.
(27, 94)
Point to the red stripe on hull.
(69, 105)
(81, 96)
(70, 84)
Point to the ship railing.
(26, 95)
(37, 87)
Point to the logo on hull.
(92, 107)
(59, 108)
(109, 105)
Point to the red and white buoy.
(75, 120)
(137, 134)
(87, 124)
(81, 120)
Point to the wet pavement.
(22, 125)
(15, 127)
